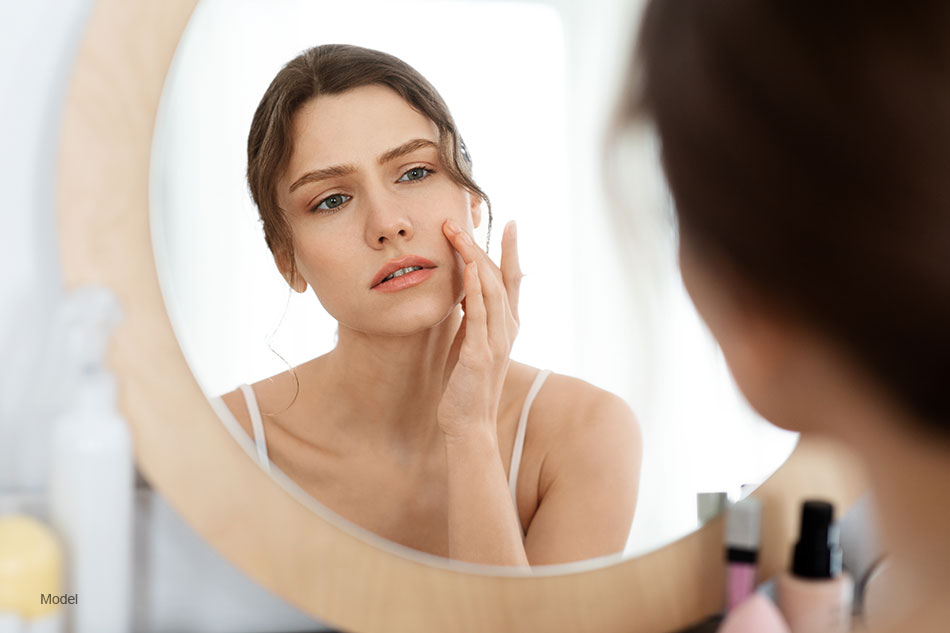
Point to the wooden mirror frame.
(187, 455)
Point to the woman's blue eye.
(332, 202)
(416, 173)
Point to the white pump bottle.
(92, 478)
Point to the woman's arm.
(483, 524)
(589, 478)
(590, 474)
(588, 484)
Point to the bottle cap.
(817, 553)
(709, 505)
(742, 526)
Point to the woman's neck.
(389, 387)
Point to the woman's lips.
(394, 265)
(402, 282)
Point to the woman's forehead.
(355, 127)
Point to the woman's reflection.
(417, 425)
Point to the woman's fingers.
(511, 267)
(493, 291)
(476, 317)
(464, 244)
(471, 252)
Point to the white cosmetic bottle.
(91, 482)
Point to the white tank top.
(260, 441)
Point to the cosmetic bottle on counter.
(30, 571)
(91, 482)
(742, 549)
(815, 595)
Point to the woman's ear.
(475, 207)
(293, 279)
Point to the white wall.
(37, 40)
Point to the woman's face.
(365, 186)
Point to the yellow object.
(30, 566)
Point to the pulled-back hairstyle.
(808, 143)
(329, 70)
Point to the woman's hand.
(479, 357)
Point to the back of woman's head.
(808, 144)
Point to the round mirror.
(597, 304)
(112, 212)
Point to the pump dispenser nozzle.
(817, 554)
(815, 597)
(89, 315)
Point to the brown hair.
(809, 144)
(328, 70)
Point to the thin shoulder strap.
(518, 449)
(258, 425)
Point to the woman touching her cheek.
(418, 426)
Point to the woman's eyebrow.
(405, 148)
(338, 171)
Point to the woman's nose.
(388, 222)
(400, 228)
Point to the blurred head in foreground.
(807, 148)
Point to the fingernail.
(513, 229)
(452, 227)
(465, 237)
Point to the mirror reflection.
(320, 215)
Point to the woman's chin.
(407, 320)
(423, 321)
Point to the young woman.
(417, 425)
(808, 151)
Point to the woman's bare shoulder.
(588, 435)
(565, 403)
(566, 399)
(269, 394)
(587, 450)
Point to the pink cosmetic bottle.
(742, 549)
(756, 614)
(815, 596)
